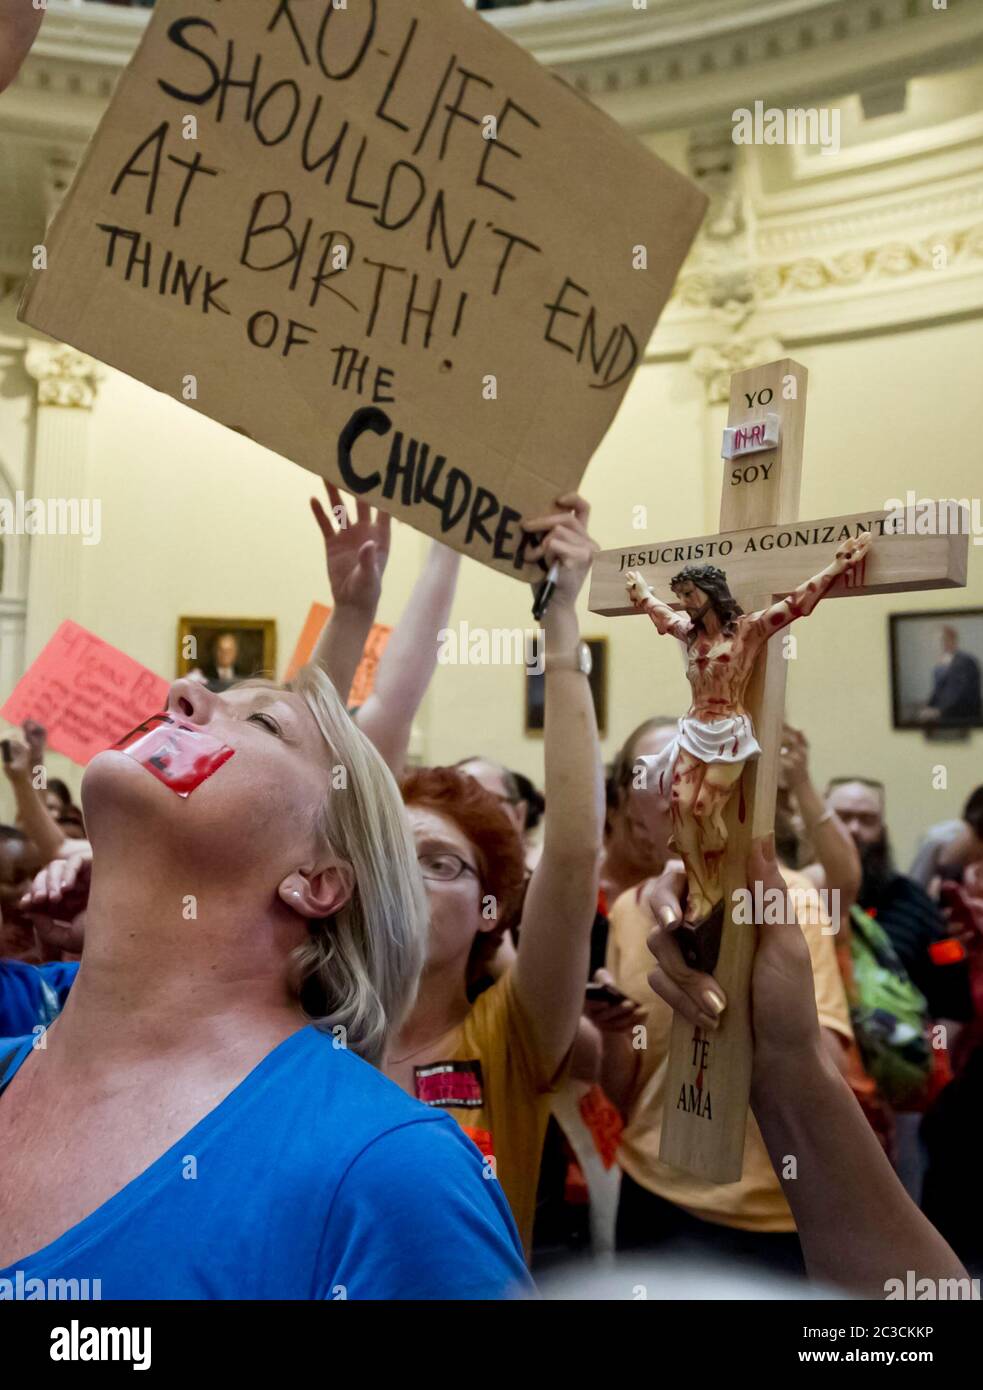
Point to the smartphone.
(603, 994)
(5, 747)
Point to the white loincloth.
(729, 740)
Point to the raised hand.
(608, 1017)
(639, 592)
(35, 736)
(17, 760)
(794, 764)
(851, 552)
(57, 899)
(356, 551)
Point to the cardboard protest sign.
(85, 693)
(375, 645)
(380, 240)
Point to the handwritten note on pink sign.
(85, 693)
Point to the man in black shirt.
(902, 907)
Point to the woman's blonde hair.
(360, 969)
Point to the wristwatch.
(579, 660)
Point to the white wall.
(197, 520)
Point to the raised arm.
(550, 972)
(667, 620)
(835, 851)
(859, 1228)
(801, 601)
(407, 665)
(38, 823)
(356, 553)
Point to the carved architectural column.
(67, 381)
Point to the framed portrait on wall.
(598, 678)
(936, 665)
(221, 651)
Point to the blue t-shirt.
(317, 1177)
(32, 995)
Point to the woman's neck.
(167, 969)
(441, 1005)
(618, 876)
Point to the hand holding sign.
(564, 545)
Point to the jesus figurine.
(699, 770)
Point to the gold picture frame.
(535, 691)
(253, 649)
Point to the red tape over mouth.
(179, 755)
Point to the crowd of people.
(317, 1023)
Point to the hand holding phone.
(598, 993)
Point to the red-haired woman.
(492, 1061)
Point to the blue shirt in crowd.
(316, 1178)
(32, 996)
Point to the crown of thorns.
(699, 575)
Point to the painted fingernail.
(667, 917)
(714, 1002)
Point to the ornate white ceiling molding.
(879, 288)
(678, 62)
(933, 254)
(858, 222)
(671, 64)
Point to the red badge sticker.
(451, 1085)
(179, 755)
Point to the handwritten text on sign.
(377, 238)
(85, 693)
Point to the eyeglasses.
(444, 868)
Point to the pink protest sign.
(85, 693)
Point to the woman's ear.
(316, 893)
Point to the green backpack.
(889, 1015)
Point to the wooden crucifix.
(730, 745)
